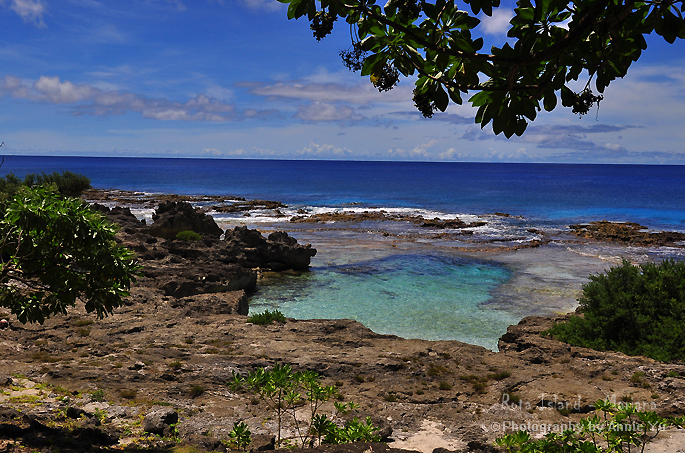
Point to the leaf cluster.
(551, 44)
(619, 428)
(638, 310)
(55, 251)
(240, 435)
(267, 317)
(287, 390)
(188, 236)
(67, 184)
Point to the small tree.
(638, 310)
(55, 251)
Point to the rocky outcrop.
(277, 252)
(160, 421)
(208, 276)
(627, 233)
(172, 217)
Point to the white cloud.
(57, 92)
(29, 10)
(262, 5)
(99, 102)
(323, 151)
(498, 23)
(328, 92)
(327, 112)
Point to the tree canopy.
(552, 45)
(55, 251)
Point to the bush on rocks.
(637, 310)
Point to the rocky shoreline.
(154, 375)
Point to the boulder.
(278, 252)
(230, 302)
(172, 217)
(160, 421)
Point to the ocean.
(396, 277)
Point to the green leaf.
(550, 100)
(441, 98)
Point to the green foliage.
(286, 391)
(353, 431)
(620, 428)
(97, 395)
(638, 310)
(268, 317)
(188, 236)
(240, 435)
(196, 390)
(549, 46)
(68, 184)
(54, 251)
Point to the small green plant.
(268, 317)
(510, 398)
(176, 365)
(97, 395)
(286, 391)
(188, 236)
(435, 370)
(479, 384)
(499, 375)
(620, 428)
(196, 390)
(353, 431)
(637, 376)
(129, 394)
(445, 386)
(83, 331)
(240, 436)
(390, 398)
(100, 415)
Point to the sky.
(236, 79)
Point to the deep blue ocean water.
(651, 195)
(422, 294)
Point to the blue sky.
(236, 79)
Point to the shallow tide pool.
(430, 297)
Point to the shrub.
(286, 391)
(129, 394)
(621, 428)
(196, 390)
(188, 236)
(68, 184)
(97, 395)
(268, 317)
(638, 310)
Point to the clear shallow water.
(411, 292)
(413, 296)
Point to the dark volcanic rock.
(627, 233)
(233, 302)
(278, 252)
(224, 269)
(160, 421)
(173, 217)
